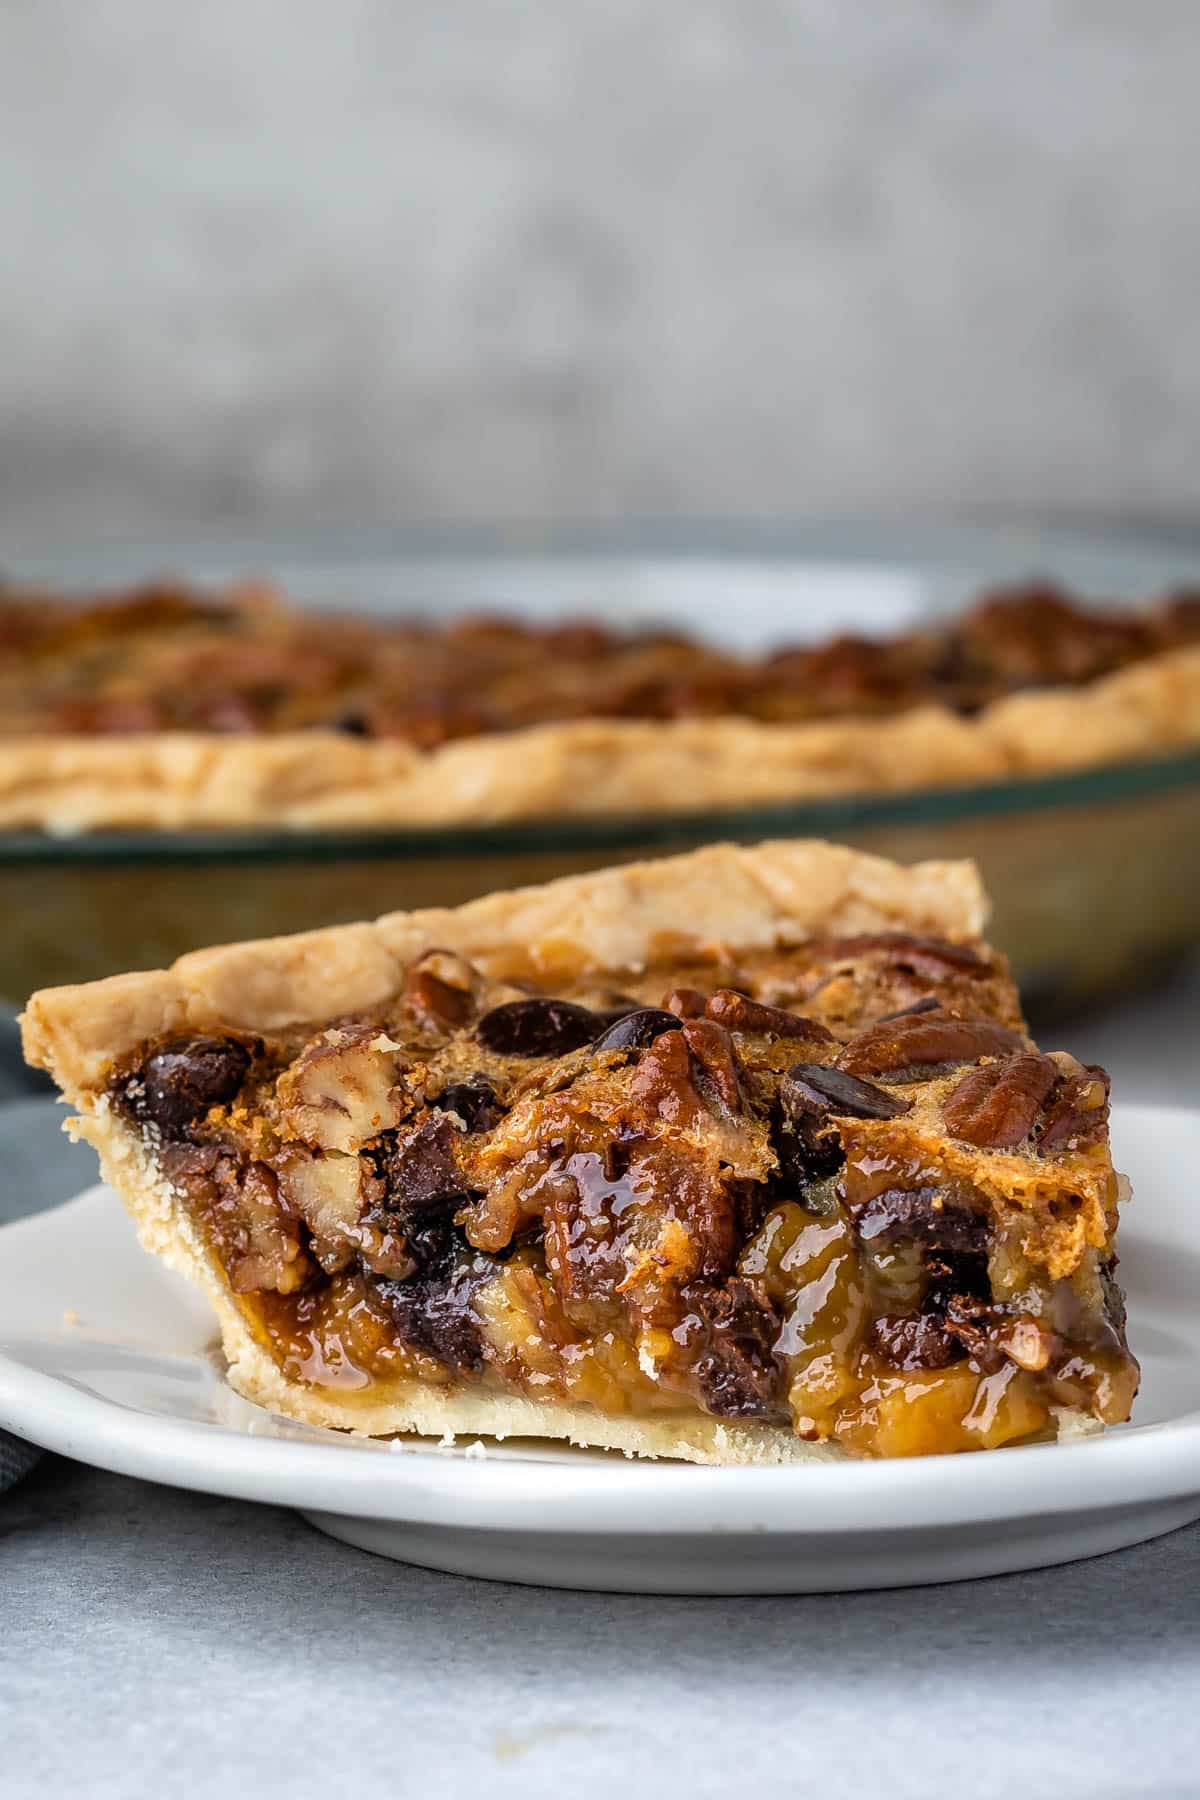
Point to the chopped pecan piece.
(990, 1335)
(1077, 1113)
(923, 1040)
(996, 1106)
(270, 1256)
(343, 1089)
(437, 1005)
(686, 1002)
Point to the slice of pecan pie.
(743, 1155)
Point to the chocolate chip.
(803, 1135)
(636, 1029)
(926, 1215)
(432, 1311)
(182, 1079)
(420, 1170)
(736, 1371)
(536, 1027)
(475, 1102)
(806, 1145)
(814, 1087)
(353, 724)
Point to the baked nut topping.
(168, 659)
(171, 709)
(888, 1230)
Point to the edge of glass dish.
(807, 818)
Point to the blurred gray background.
(278, 260)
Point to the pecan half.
(997, 1106)
(716, 1070)
(922, 1040)
(736, 1012)
(932, 956)
(662, 1082)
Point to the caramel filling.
(760, 1192)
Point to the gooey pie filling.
(835, 1189)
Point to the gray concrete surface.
(271, 259)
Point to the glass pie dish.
(1116, 847)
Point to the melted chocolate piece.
(181, 1080)
(420, 1170)
(537, 1027)
(810, 1088)
(737, 1374)
(432, 1311)
(634, 1030)
(475, 1102)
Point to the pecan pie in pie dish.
(167, 709)
(745, 1155)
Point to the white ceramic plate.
(105, 1356)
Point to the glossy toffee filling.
(834, 1190)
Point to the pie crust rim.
(325, 780)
